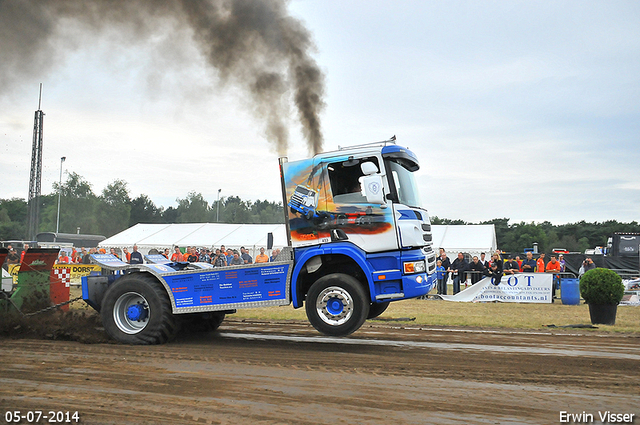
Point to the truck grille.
(430, 256)
(296, 198)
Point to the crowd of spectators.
(78, 256)
(461, 270)
(219, 257)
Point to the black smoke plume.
(253, 44)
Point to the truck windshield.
(405, 184)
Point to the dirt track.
(286, 373)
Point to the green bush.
(601, 286)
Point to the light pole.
(59, 194)
(218, 206)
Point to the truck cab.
(368, 228)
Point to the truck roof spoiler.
(392, 140)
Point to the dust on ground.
(74, 325)
(279, 372)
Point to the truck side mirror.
(372, 189)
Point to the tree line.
(114, 210)
(574, 237)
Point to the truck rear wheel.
(337, 304)
(376, 309)
(136, 310)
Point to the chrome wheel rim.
(334, 306)
(131, 313)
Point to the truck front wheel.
(337, 304)
(376, 309)
(136, 310)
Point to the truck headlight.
(415, 267)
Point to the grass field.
(483, 315)
(477, 315)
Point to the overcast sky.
(518, 109)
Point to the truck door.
(306, 201)
(367, 225)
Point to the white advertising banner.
(517, 288)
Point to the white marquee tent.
(160, 236)
(472, 239)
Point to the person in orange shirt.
(540, 266)
(63, 258)
(262, 257)
(177, 255)
(77, 257)
(554, 265)
(26, 247)
(190, 256)
(126, 254)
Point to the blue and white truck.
(357, 241)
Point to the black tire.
(376, 309)
(137, 310)
(337, 304)
(202, 322)
(214, 321)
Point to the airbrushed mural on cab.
(314, 211)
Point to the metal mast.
(35, 180)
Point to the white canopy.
(470, 238)
(207, 235)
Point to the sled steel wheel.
(131, 313)
(337, 304)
